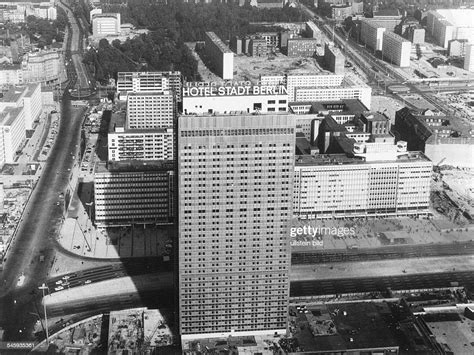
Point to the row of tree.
(45, 32)
(155, 51)
(190, 21)
(163, 48)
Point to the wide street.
(37, 230)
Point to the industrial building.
(396, 49)
(133, 192)
(105, 24)
(148, 82)
(334, 59)
(445, 25)
(302, 47)
(221, 57)
(235, 181)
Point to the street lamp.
(42, 288)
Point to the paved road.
(37, 230)
(76, 50)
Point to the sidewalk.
(79, 236)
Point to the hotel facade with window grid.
(235, 187)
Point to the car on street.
(59, 288)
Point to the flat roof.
(218, 42)
(342, 326)
(134, 166)
(8, 115)
(13, 94)
(343, 159)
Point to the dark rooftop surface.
(339, 327)
(343, 159)
(133, 166)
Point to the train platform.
(380, 268)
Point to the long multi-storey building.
(445, 25)
(150, 110)
(362, 93)
(138, 144)
(220, 55)
(134, 192)
(334, 59)
(294, 81)
(235, 183)
(148, 82)
(336, 185)
(12, 132)
(396, 49)
(371, 34)
(28, 97)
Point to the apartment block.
(221, 56)
(334, 59)
(396, 49)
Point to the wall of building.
(134, 197)
(220, 55)
(150, 111)
(233, 248)
(359, 189)
(396, 49)
(227, 104)
(364, 94)
(144, 145)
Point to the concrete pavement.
(382, 268)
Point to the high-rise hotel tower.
(235, 201)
